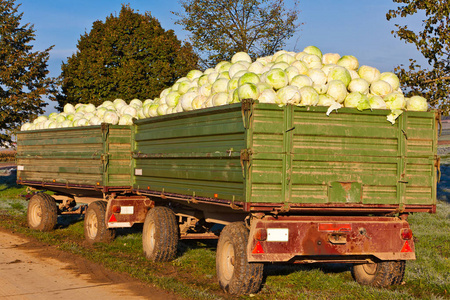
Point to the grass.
(192, 273)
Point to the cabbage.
(162, 109)
(327, 68)
(109, 117)
(309, 96)
(286, 58)
(380, 88)
(136, 103)
(69, 108)
(359, 85)
(153, 110)
(392, 79)
(325, 100)
(220, 67)
(236, 68)
(248, 91)
(205, 90)
(320, 89)
(376, 102)
(330, 58)
(312, 61)
(289, 94)
(349, 62)
(301, 66)
(417, 103)
(262, 86)
(357, 100)
(337, 90)
(268, 96)
(220, 86)
(183, 87)
(220, 99)
(276, 78)
(248, 77)
(256, 67)
(301, 80)
(198, 101)
(340, 73)
(193, 74)
(318, 76)
(395, 100)
(368, 73)
(172, 99)
(186, 100)
(212, 77)
(313, 50)
(291, 72)
(280, 65)
(202, 80)
(241, 56)
(129, 110)
(94, 121)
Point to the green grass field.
(192, 273)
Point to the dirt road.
(29, 270)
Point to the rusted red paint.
(140, 204)
(365, 238)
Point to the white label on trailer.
(137, 172)
(278, 234)
(119, 224)
(127, 210)
(20, 168)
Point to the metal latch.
(245, 158)
(246, 110)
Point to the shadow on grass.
(443, 186)
(8, 178)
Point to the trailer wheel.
(380, 274)
(42, 212)
(236, 275)
(160, 234)
(95, 230)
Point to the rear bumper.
(329, 239)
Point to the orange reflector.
(406, 247)
(116, 209)
(98, 183)
(216, 195)
(148, 188)
(335, 227)
(258, 248)
(112, 219)
(54, 180)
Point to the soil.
(33, 270)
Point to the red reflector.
(116, 209)
(335, 227)
(406, 247)
(258, 248)
(216, 195)
(406, 234)
(112, 219)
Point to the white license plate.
(277, 234)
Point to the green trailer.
(290, 184)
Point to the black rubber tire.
(95, 230)
(235, 274)
(160, 234)
(42, 212)
(381, 274)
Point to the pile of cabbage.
(307, 78)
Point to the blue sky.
(357, 27)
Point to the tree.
(23, 72)
(221, 28)
(433, 42)
(129, 56)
